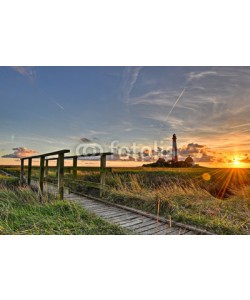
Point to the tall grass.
(185, 201)
(23, 211)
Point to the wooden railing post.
(75, 167)
(41, 177)
(60, 170)
(57, 167)
(102, 173)
(29, 170)
(46, 168)
(22, 172)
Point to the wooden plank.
(163, 230)
(105, 209)
(111, 214)
(123, 213)
(102, 174)
(146, 228)
(74, 167)
(90, 154)
(29, 171)
(46, 168)
(48, 154)
(130, 223)
(122, 218)
(100, 209)
(41, 176)
(142, 224)
(173, 230)
(60, 170)
(91, 202)
(22, 173)
(91, 205)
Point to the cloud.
(200, 153)
(85, 140)
(28, 72)
(199, 75)
(245, 160)
(20, 152)
(59, 105)
(241, 125)
(130, 77)
(192, 148)
(179, 97)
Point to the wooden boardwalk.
(137, 222)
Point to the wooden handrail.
(84, 155)
(46, 154)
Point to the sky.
(43, 109)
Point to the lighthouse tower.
(174, 149)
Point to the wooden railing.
(44, 167)
(60, 169)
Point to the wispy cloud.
(199, 75)
(177, 100)
(28, 72)
(241, 125)
(130, 77)
(59, 105)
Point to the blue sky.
(49, 108)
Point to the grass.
(8, 181)
(23, 211)
(218, 202)
(184, 196)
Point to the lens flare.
(206, 176)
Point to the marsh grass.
(185, 201)
(181, 194)
(24, 211)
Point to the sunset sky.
(50, 108)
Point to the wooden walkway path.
(138, 222)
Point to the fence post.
(46, 168)
(29, 170)
(60, 171)
(57, 167)
(41, 177)
(75, 167)
(102, 173)
(22, 172)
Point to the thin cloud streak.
(241, 125)
(28, 72)
(131, 76)
(199, 75)
(59, 105)
(181, 94)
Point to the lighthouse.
(174, 149)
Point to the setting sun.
(236, 162)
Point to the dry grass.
(185, 202)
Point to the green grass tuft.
(23, 211)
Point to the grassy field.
(214, 199)
(23, 211)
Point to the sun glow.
(236, 162)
